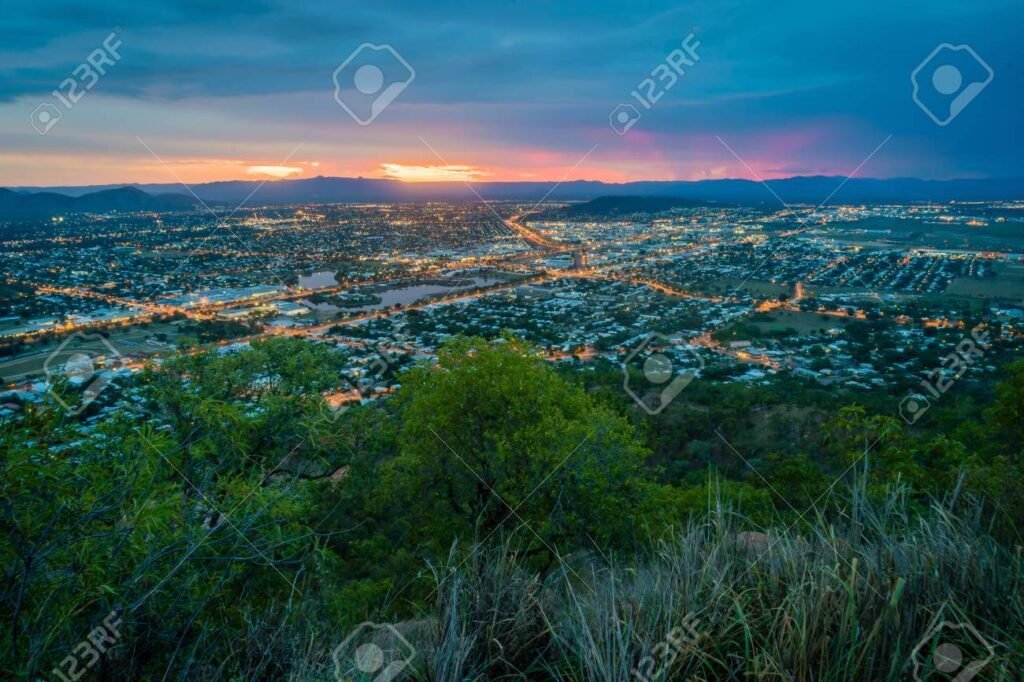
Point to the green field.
(129, 341)
(1008, 236)
(779, 323)
(727, 285)
(803, 323)
(1008, 284)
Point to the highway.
(532, 237)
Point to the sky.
(202, 90)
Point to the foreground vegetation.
(511, 521)
(714, 601)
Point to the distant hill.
(806, 190)
(41, 205)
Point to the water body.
(318, 280)
(321, 307)
(401, 295)
(410, 294)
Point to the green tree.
(185, 517)
(493, 440)
(1006, 415)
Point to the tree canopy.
(493, 440)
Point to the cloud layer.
(505, 90)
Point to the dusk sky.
(503, 91)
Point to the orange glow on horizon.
(58, 169)
(410, 173)
(274, 171)
(517, 165)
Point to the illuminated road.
(533, 237)
(88, 293)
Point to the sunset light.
(274, 171)
(397, 171)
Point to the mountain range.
(46, 204)
(39, 202)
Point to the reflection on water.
(400, 295)
(318, 280)
(321, 307)
(411, 294)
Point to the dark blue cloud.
(529, 71)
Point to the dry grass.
(846, 599)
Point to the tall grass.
(843, 598)
(839, 597)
